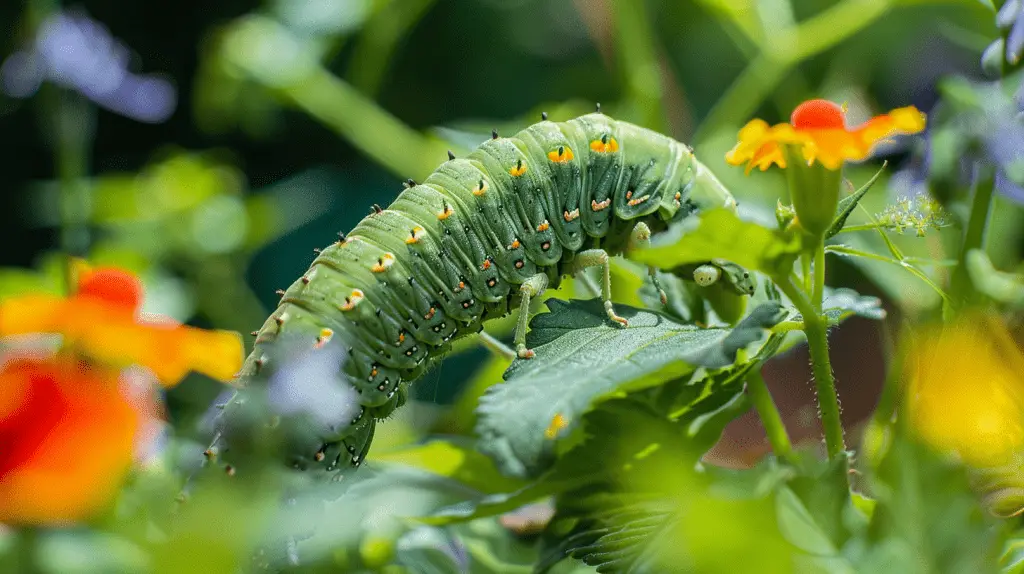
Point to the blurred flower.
(966, 390)
(74, 51)
(818, 128)
(101, 321)
(69, 432)
(74, 418)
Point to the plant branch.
(769, 413)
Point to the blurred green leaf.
(720, 234)
(1005, 288)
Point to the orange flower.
(101, 321)
(818, 128)
(68, 434)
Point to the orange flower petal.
(101, 324)
(114, 286)
(67, 443)
(818, 128)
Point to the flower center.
(818, 115)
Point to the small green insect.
(480, 237)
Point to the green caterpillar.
(482, 235)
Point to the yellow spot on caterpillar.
(638, 200)
(480, 189)
(373, 372)
(570, 215)
(486, 265)
(323, 338)
(558, 423)
(605, 145)
(383, 263)
(543, 226)
(430, 314)
(414, 235)
(445, 213)
(519, 169)
(401, 337)
(561, 155)
(515, 244)
(352, 300)
(677, 197)
(629, 193)
(598, 206)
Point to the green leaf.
(720, 234)
(842, 303)
(849, 203)
(581, 360)
(798, 525)
(662, 515)
(460, 462)
(1003, 287)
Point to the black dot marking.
(341, 236)
(451, 155)
(410, 182)
(519, 164)
(545, 246)
(544, 116)
(598, 107)
(604, 138)
(519, 264)
(746, 275)
(494, 134)
(377, 208)
(561, 150)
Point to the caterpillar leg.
(495, 346)
(531, 288)
(593, 258)
(641, 237)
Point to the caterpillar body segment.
(479, 237)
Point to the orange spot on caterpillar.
(414, 235)
(543, 226)
(638, 200)
(629, 193)
(383, 263)
(323, 338)
(486, 265)
(558, 423)
(446, 212)
(401, 337)
(430, 314)
(462, 285)
(561, 155)
(519, 169)
(352, 300)
(515, 244)
(605, 145)
(598, 206)
(480, 189)
(571, 215)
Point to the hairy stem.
(821, 366)
(769, 413)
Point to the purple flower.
(76, 52)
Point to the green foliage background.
(295, 116)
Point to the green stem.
(769, 413)
(638, 61)
(974, 237)
(818, 290)
(821, 366)
(805, 270)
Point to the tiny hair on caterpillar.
(480, 237)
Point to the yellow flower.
(966, 391)
(101, 321)
(818, 129)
